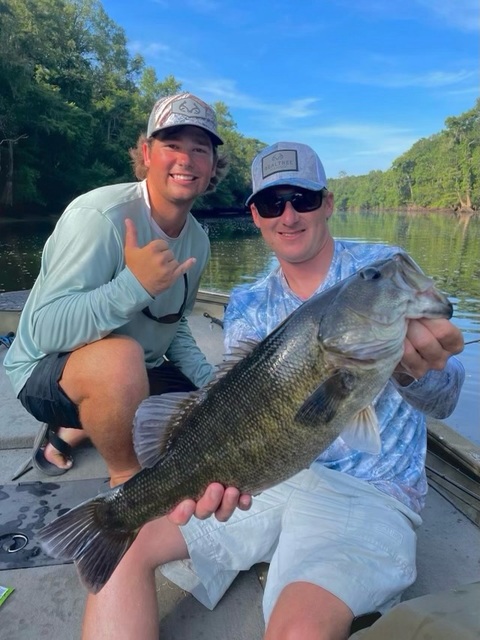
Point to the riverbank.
(8, 217)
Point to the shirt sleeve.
(187, 356)
(239, 325)
(437, 392)
(86, 291)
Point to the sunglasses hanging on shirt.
(170, 318)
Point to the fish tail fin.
(81, 536)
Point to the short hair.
(141, 171)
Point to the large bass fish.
(265, 417)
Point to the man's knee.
(305, 611)
(112, 366)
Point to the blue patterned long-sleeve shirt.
(399, 469)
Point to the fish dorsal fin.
(158, 418)
(322, 404)
(239, 352)
(363, 433)
(243, 348)
(156, 422)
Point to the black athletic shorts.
(43, 397)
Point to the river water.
(447, 248)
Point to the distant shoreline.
(242, 211)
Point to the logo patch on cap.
(277, 161)
(181, 110)
(189, 107)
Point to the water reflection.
(238, 253)
(444, 245)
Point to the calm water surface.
(446, 247)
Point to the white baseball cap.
(183, 109)
(285, 164)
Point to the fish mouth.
(428, 301)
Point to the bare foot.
(73, 437)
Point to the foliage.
(440, 172)
(74, 101)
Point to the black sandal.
(45, 435)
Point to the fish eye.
(370, 273)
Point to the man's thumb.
(130, 234)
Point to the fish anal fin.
(322, 405)
(363, 432)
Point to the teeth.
(180, 176)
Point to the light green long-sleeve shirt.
(84, 290)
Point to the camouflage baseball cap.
(287, 164)
(183, 109)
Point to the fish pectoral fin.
(156, 421)
(322, 404)
(363, 433)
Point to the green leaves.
(439, 172)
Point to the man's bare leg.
(107, 380)
(126, 608)
(305, 611)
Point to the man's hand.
(153, 265)
(216, 500)
(428, 345)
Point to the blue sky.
(358, 80)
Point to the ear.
(146, 153)
(329, 202)
(255, 215)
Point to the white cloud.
(462, 14)
(428, 80)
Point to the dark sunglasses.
(271, 205)
(170, 318)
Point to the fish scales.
(254, 437)
(266, 418)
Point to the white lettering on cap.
(279, 161)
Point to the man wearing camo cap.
(119, 275)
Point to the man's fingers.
(228, 505)
(182, 512)
(130, 234)
(215, 501)
(210, 501)
(184, 267)
(429, 344)
(448, 335)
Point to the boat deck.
(48, 600)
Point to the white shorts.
(321, 526)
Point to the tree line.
(73, 101)
(439, 172)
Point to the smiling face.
(296, 237)
(181, 162)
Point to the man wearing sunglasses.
(119, 275)
(340, 536)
